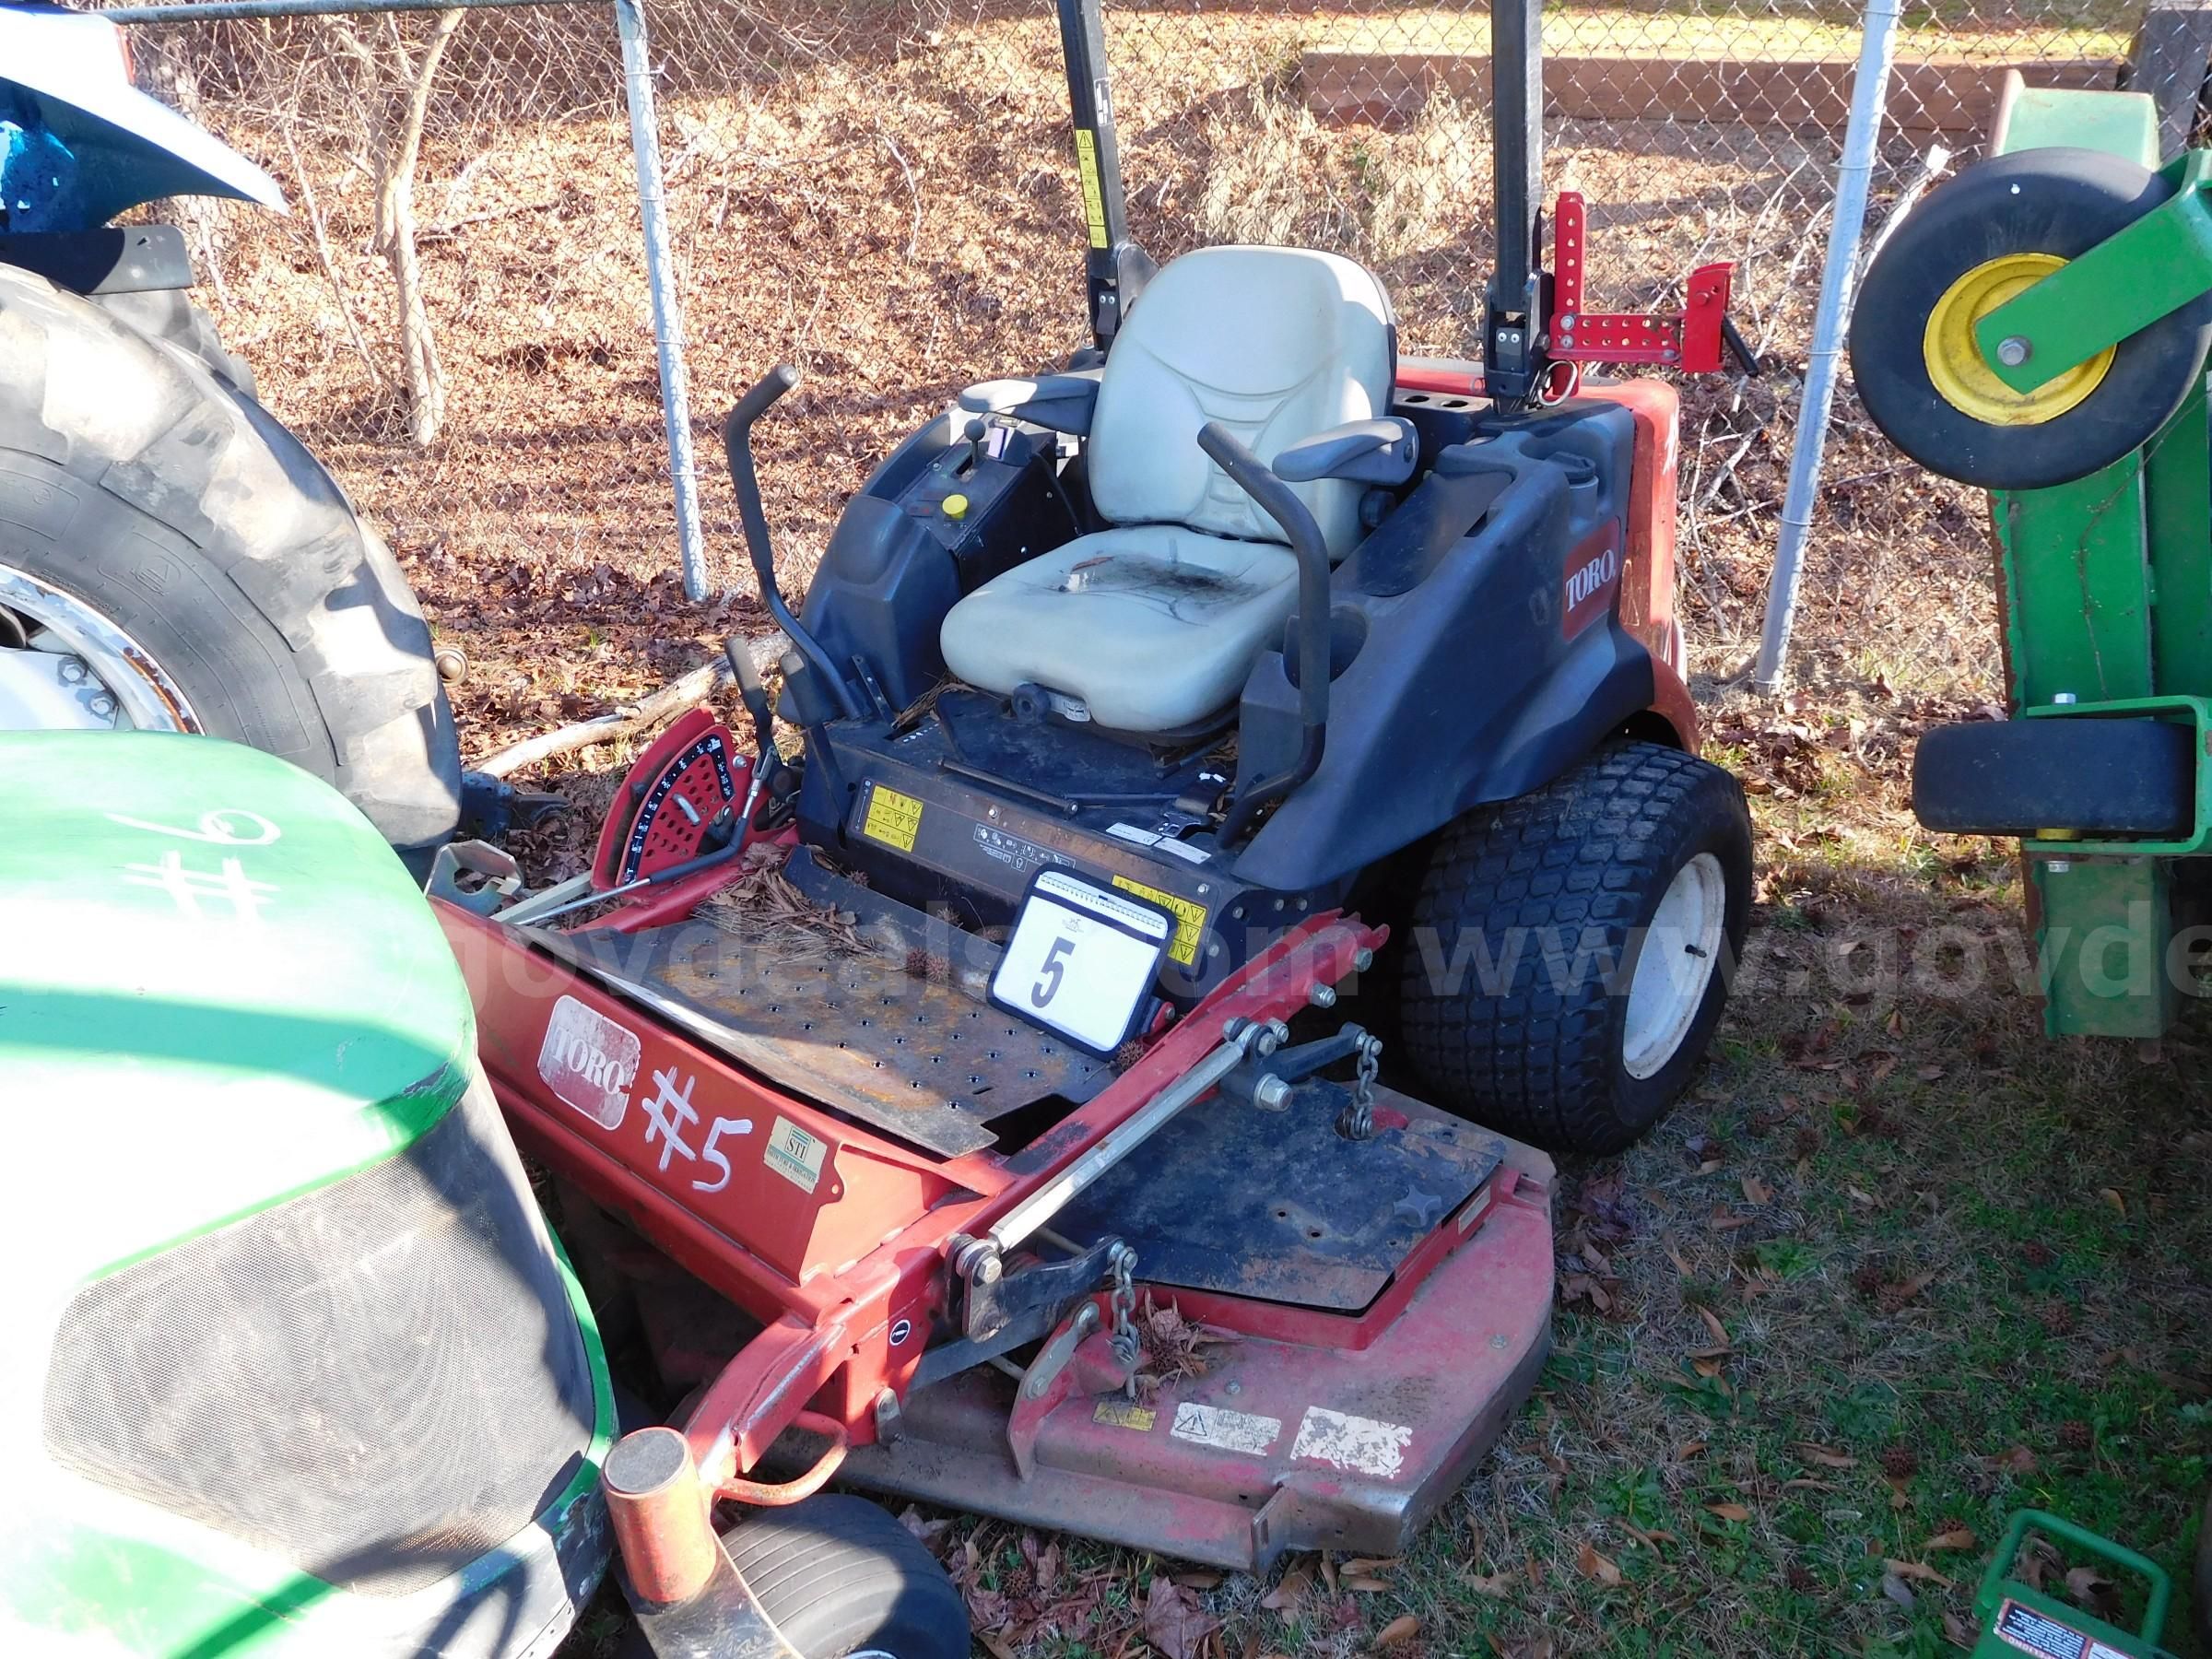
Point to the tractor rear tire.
(167, 314)
(147, 498)
(2051, 204)
(839, 1575)
(1533, 996)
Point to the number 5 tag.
(1080, 959)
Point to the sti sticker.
(589, 1062)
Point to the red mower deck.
(1317, 1425)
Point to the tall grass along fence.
(493, 296)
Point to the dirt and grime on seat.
(1169, 583)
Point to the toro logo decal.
(1593, 578)
(589, 1062)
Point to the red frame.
(832, 1274)
(1689, 340)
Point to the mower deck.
(1306, 1430)
(1374, 1308)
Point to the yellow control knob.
(956, 506)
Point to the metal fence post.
(667, 317)
(1862, 135)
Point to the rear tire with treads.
(1522, 996)
(167, 314)
(2054, 202)
(148, 488)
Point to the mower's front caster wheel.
(1998, 227)
(839, 1575)
(1570, 950)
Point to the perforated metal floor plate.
(910, 1055)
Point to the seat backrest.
(1277, 344)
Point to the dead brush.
(1175, 1347)
(1278, 175)
(767, 909)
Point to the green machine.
(2017, 1617)
(291, 1363)
(2038, 326)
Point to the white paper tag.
(1080, 959)
(1358, 1444)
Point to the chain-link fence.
(883, 192)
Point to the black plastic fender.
(1502, 667)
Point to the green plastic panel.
(2178, 481)
(218, 988)
(2078, 609)
(2120, 123)
(221, 980)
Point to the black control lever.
(752, 517)
(1740, 347)
(1282, 503)
(754, 695)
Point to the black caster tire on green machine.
(1996, 228)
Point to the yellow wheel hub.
(1968, 383)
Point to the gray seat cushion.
(1152, 627)
(1277, 344)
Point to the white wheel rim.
(1681, 950)
(80, 672)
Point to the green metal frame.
(2195, 711)
(1996, 1589)
(2121, 287)
(2106, 583)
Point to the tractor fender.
(85, 143)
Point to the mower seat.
(1153, 625)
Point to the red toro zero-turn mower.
(1160, 714)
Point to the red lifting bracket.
(1690, 340)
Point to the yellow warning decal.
(1125, 1414)
(893, 818)
(1094, 200)
(1190, 919)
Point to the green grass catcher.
(291, 1363)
